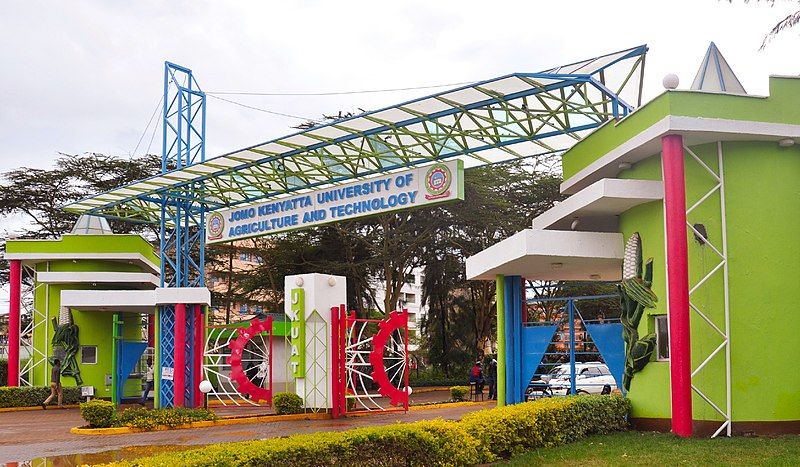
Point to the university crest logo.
(216, 226)
(437, 182)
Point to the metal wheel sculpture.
(378, 362)
(218, 367)
(250, 365)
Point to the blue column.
(572, 375)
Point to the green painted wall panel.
(763, 272)
(86, 244)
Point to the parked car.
(591, 378)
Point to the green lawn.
(636, 448)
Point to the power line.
(153, 135)
(158, 106)
(334, 93)
(271, 112)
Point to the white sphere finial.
(331, 281)
(205, 386)
(670, 81)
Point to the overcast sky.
(87, 75)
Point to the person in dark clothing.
(476, 376)
(55, 385)
(491, 378)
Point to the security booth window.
(662, 338)
(88, 354)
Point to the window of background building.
(243, 256)
(662, 338)
(243, 308)
(88, 354)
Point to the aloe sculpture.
(635, 295)
(65, 335)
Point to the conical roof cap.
(92, 225)
(716, 75)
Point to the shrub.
(3, 372)
(432, 443)
(287, 403)
(509, 430)
(26, 396)
(480, 437)
(98, 413)
(143, 419)
(458, 393)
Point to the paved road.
(37, 434)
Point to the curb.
(414, 408)
(37, 407)
(124, 430)
(448, 405)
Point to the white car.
(591, 378)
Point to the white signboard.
(167, 373)
(437, 183)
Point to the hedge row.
(480, 437)
(32, 396)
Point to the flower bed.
(103, 414)
(480, 437)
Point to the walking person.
(55, 385)
(148, 382)
(491, 378)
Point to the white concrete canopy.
(137, 280)
(597, 206)
(551, 255)
(137, 301)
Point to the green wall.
(763, 256)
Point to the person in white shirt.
(148, 378)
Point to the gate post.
(500, 306)
(677, 283)
(15, 283)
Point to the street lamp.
(205, 388)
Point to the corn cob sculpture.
(635, 296)
(65, 335)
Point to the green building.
(731, 363)
(81, 282)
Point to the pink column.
(179, 376)
(199, 345)
(151, 330)
(678, 284)
(15, 279)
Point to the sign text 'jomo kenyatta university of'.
(437, 183)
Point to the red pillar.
(15, 279)
(179, 375)
(677, 283)
(151, 330)
(336, 411)
(199, 345)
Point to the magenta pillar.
(677, 283)
(15, 283)
(179, 375)
(199, 346)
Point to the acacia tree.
(500, 200)
(40, 194)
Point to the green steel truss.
(510, 117)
